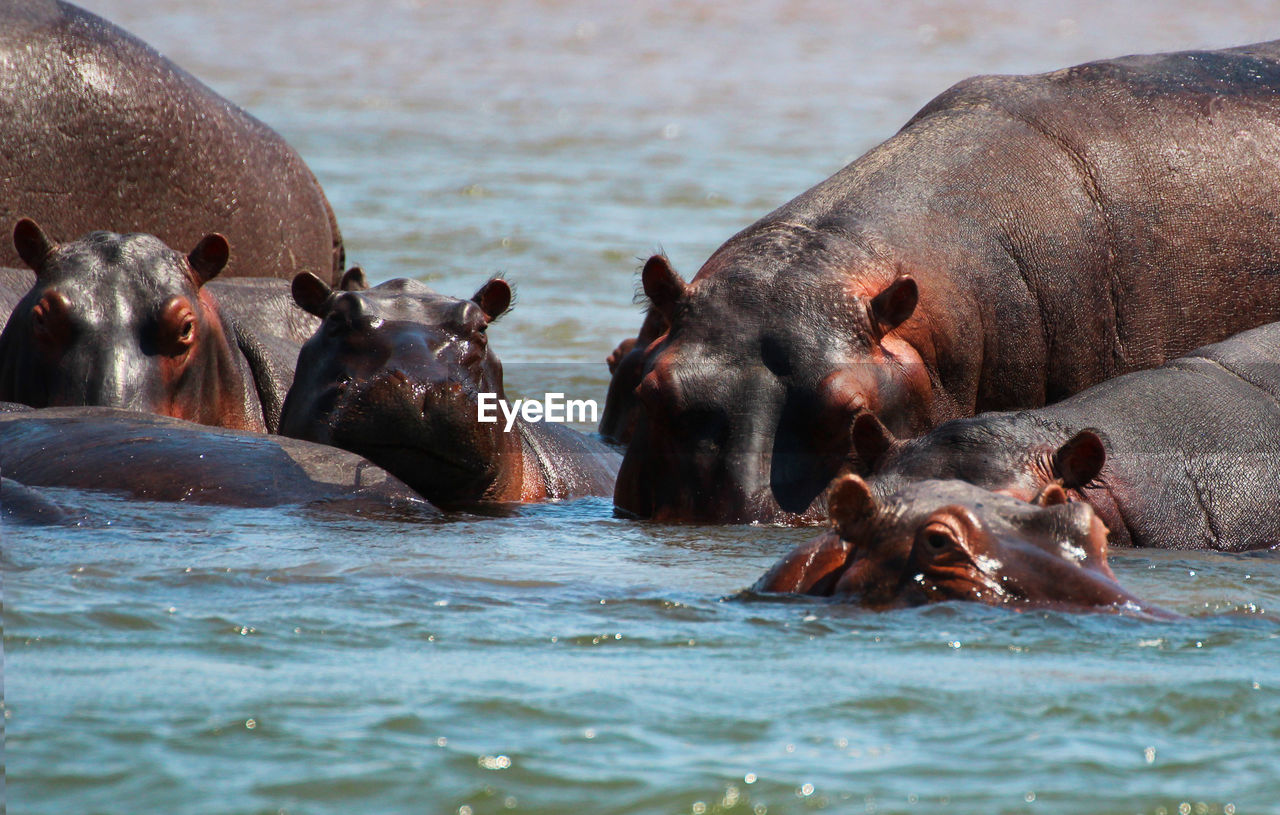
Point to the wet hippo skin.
(157, 458)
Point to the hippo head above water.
(934, 541)
(758, 372)
(124, 321)
(394, 373)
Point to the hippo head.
(933, 541)
(1012, 453)
(394, 373)
(746, 400)
(123, 321)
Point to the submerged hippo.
(947, 540)
(101, 132)
(157, 458)
(1186, 456)
(1021, 238)
(395, 374)
(125, 321)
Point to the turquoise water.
(175, 659)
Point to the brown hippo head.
(933, 541)
(745, 401)
(394, 373)
(124, 321)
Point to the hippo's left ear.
(891, 307)
(32, 244)
(1080, 459)
(209, 257)
(850, 501)
(493, 298)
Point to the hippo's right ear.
(871, 439)
(850, 501)
(353, 280)
(209, 257)
(662, 285)
(1080, 459)
(32, 244)
(310, 293)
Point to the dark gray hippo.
(1185, 456)
(396, 373)
(1020, 239)
(125, 321)
(101, 132)
(935, 541)
(157, 458)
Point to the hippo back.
(113, 136)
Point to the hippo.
(1185, 456)
(102, 132)
(395, 373)
(936, 541)
(125, 321)
(1018, 240)
(158, 458)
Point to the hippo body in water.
(1185, 456)
(102, 132)
(395, 374)
(125, 321)
(1021, 238)
(157, 458)
(935, 541)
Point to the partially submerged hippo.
(395, 373)
(935, 541)
(1021, 238)
(1186, 456)
(125, 321)
(102, 132)
(157, 458)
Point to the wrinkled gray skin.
(102, 132)
(157, 458)
(1020, 239)
(394, 373)
(1186, 456)
(934, 541)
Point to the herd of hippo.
(1040, 320)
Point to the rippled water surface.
(176, 659)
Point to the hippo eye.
(188, 330)
(935, 539)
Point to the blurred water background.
(176, 659)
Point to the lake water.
(179, 659)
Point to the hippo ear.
(353, 280)
(662, 285)
(493, 298)
(32, 244)
(891, 307)
(310, 293)
(850, 501)
(1051, 496)
(209, 257)
(871, 439)
(1080, 459)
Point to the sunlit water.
(174, 659)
